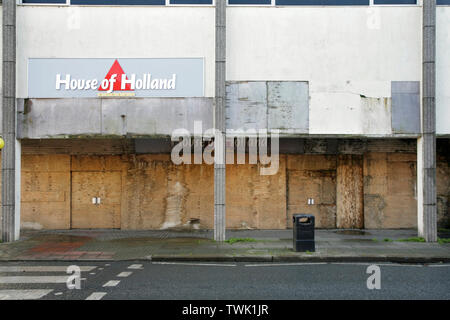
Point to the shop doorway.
(96, 200)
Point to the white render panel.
(346, 53)
(114, 32)
(443, 70)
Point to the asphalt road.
(229, 281)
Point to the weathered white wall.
(348, 54)
(114, 32)
(443, 70)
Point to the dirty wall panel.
(97, 163)
(107, 186)
(390, 199)
(253, 200)
(443, 192)
(405, 106)
(375, 189)
(401, 191)
(349, 189)
(162, 195)
(312, 176)
(288, 106)
(146, 191)
(246, 105)
(45, 184)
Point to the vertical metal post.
(10, 217)
(219, 122)
(426, 151)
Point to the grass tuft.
(443, 240)
(413, 239)
(234, 240)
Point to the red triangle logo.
(116, 69)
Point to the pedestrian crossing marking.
(29, 294)
(34, 279)
(42, 268)
(96, 296)
(111, 283)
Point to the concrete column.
(10, 196)
(426, 145)
(219, 123)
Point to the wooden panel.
(390, 190)
(253, 200)
(97, 163)
(312, 176)
(350, 206)
(85, 186)
(45, 184)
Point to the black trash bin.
(304, 233)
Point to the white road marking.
(438, 265)
(42, 268)
(58, 293)
(96, 296)
(283, 264)
(135, 266)
(112, 283)
(124, 274)
(197, 264)
(28, 294)
(34, 279)
(378, 264)
(92, 273)
(107, 265)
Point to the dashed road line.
(96, 296)
(124, 274)
(135, 266)
(111, 283)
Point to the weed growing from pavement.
(413, 239)
(234, 240)
(443, 240)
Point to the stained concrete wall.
(54, 118)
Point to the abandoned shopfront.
(101, 89)
(104, 183)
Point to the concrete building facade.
(341, 83)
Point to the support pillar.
(426, 144)
(11, 151)
(219, 123)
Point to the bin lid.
(303, 215)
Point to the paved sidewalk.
(196, 245)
